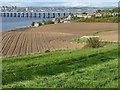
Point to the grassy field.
(113, 19)
(85, 68)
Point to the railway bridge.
(35, 14)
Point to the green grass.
(112, 19)
(80, 40)
(85, 68)
(99, 32)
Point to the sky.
(65, 3)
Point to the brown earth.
(110, 36)
(50, 37)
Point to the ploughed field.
(50, 37)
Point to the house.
(81, 15)
(115, 13)
(37, 24)
(69, 17)
(98, 14)
(56, 22)
(85, 15)
(66, 21)
(92, 14)
(54, 19)
(62, 20)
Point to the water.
(10, 23)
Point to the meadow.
(81, 68)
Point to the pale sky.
(67, 3)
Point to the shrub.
(84, 13)
(46, 51)
(48, 22)
(33, 23)
(94, 42)
(39, 23)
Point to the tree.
(49, 22)
(84, 13)
(33, 23)
(98, 11)
(116, 9)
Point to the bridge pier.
(22, 15)
(35, 15)
(14, 14)
(58, 14)
(48, 15)
(39, 15)
(4, 14)
(11, 14)
(64, 14)
(53, 15)
(30, 14)
(43, 15)
(27, 14)
(7, 14)
(18, 14)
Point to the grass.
(97, 33)
(85, 68)
(112, 19)
(80, 40)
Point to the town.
(103, 15)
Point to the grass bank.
(112, 19)
(85, 68)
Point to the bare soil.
(51, 37)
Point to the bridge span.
(36, 14)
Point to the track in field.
(50, 37)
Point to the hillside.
(85, 68)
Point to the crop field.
(49, 37)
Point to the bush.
(48, 22)
(113, 19)
(33, 23)
(94, 42)
(39, 23)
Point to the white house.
(115, 13)
(98, 15)
(54, 19)
(87, 15)
(69, 17)
(37, 24)
(66, 21)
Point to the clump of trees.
(48, 22)
(33, 23)
(114, 19)
(109, 11)
(116, 9)
(84, 13)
